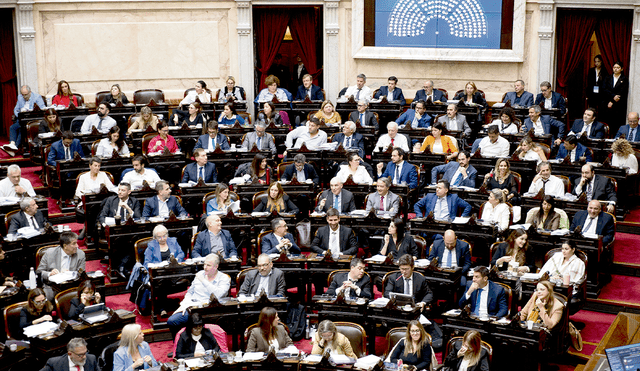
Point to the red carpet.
(624, 248)
(633, 216)
(622, 289)
(597, 325)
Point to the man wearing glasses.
(266, 278)
(354, 284)
(60, 259)
(409, 283)
(363, 115)
(77, 358)
(209, 141)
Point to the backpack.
(296, 320)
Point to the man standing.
(14, 185)
(486, 297)
(383, 200)
(391, 91)
(594, 221)
(550, 98)
(60, 259)
(428, 92)
(336, 198)
(29, 216)
(334, 238)
(596, 187)
(400, 171)
(630, 131)
(163, 203)
(100, 120)
(279, 239)
(454, 121)
(409, 282)
(457, 173)
(266, 278)
(416, 118)
(354, 284)
(214, 240)
(64, 149)
(212, 139)
(307, 89)
(359, 90)
(77, 358)
(139, 174)
(263, 140)
(452, 253)
(444, 206)
(121, 205)
(202, 168)
(363, 115)
(519, 97)
(553, 186)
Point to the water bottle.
(32, 279)
(306, 330)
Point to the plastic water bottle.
(32, 279)
(306, 330)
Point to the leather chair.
(8, 217)
(33, 128)
(209, 196)
(259, 241)
(63, 302)
(579, 296)
(518, 179)
(105, 361)
(84, 172)
(257, 198)
(282, 166)
(333, 273)
(446, 94)
(12, 320)
(140, 247)
(357, 336)
(79, 98)
(560, 339)
(614, 182)
(607, 131)
(144, 96)
(566, 182)
(146, 139)
(545, 149)
(101, 95)
(41, 251)
(422, 246)
(387, 275)
(241, 276)
(394, 336)
(458, 339)
(246, 116)
(509, 293)
(94, 146)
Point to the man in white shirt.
(14, 185)
(392, 138)
(493, 145)
(140, 174)
(100, 120)
(312, 137)
(359, 90)
(552, 185)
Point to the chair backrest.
(614, 182)
(40, 253)
(12, 320)
(241, 276)
(218, 333)
(518, 179)
(446, 94)
(105, 361)
(94, 146)
(422, 246)
(140, 247)
(393, 337)
(257, 198)
(259, 241)
(100, 96)
(191, 89)
(8, 217)
(144, 96)
(566, 182)
(282, 166)
(79, 98)
(33, 129)
(545, 149)
(246, 116)
(458, 339)
(509, 293)
(607, 133)
(63, 302)
(145, 142)
(357, 336)
(493, 248)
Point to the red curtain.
(8, 89)
(614, 40)
(304, 33)
(574, 33)
(271, 25)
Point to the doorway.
(8, 80)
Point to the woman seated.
(545, 216)
(221, 200)
(514, 252)
(468, 355)
(277, 200)
(328, 339)
(195, 339)
(163, 140)
(501, 178)
(414, 349)
(146, 119)
(38, 309)
(257, 169)
(64, 96)
(496, 210)
(116, 95)
(229, 115)
(90, 182)
(507, 123)
(87, 296)
(269, 114)
(193, 117)
(470, 94)
(398, 241)
(51, 122)
(272, 89)
(160, 249)
(624, 156)
(528, 150)
(440, 143)
(231, 90)
(133, 353)
(113, 141)
(543, 307)
(268, 333)
(563, 263)
(358, 172)
(328, 114)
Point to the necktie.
(333, 244)
(458, 179)
(309, 93)
(336, 202)
(381, 203)
(396, 180)
(213, 143)
(476, 310)
(358, 94)
(362, 119)
(589, 195)
(122, 213)
(544, 185)
(67, 154)
(348, 142)
(407, 286)
(392, 142)
(632, 134)
(200, 173)
(33, 222)
(100, 125)
(449, 259)
(77, 368)
(259, 141)
(588, 225)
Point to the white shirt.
(191, 97)
(547, 103)
(398, 170)
(553, 187)
(509, 129)
(135, 179)
(361, 176)
(452, 123)
(531, 155)
(498, 214)
(586, 128)
(94, 120)
(311, 143)
(538, 129)
(579, 188)
(105, 149)
(441, 209)
(163, 209)
(498, 149)
(630, 162)
(555, 266)
(266, 96)
(334, 241)
(73, 366)
(365, 93)
(65, 260)
(87, 185)
(385, 141)
(7, 189)
(445, 256)
(390, 95)
(592, 227)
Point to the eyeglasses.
(415, 331)
(39, 302)
(81, 355)
(263, 265)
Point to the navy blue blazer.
(605, 226)
(363, 283)
(221, 140)
(422, 95)
(463, 256)
(407, 118)
(547, 123)
(57, 151)
(202, 247)
(557, 101)
(597, 129)
(110, 207)
(496, 300)
(526, 99)
(408, 173)
(191, 173)
(309, 173)
(151, 207)
(369, 119)
(428, 203)
(397, 94)
(348, 242)
(357, 141)
(623, 132)
(580, 152)
(316, 93)
(269, 243)
(450, 169)
(61, 363)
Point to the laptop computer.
(95, 313)
(402, 299)
(624, 358)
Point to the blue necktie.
(100, 125)
(336, 202)
(476, 310)
(449, 258)
(201, 175)
(362, 119)
(348, 142)
(259, 140)
(396, 180)
(458, 179)
(358, 94)
(588, 225)
(632, 134)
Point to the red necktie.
(78, 367)
(392, 142)
(381, 203)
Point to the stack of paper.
(252, 356)
(63, 277)
(40, 329)
(367, 362)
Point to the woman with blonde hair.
(470, 94)
(414, 349)
(116, 95)
(133, 353)
(468, 355)
(327, 338)
(277, 201)
(528, 150)
(543, 307)
(328, 114)
(496, 210)
(501, 178)
(624, 156)
(146, 119)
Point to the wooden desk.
(192, 197)
(65, 115)
(22, 252)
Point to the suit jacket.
(547, 123)
(580, 152)
(316, 93)
(408, 174)
(270, 241)
(19, 220)
(57, 151)
(191, 173)
(450, 169)
(604, 228)
(357, 141)
(369, 118)
(289, 206)
(621, 88)
(363, 283)
(348, 242)
(428, 203)
(501, 250)
(422, 95)
(407, 118)
(202, 247)
(477, 98)
(526, 99)
(267, 142)
(407, 246)
(597, 129)
(496, 300)
(52, 259)
(557, 101)
(623, 132)
(111, 206)
(221, 140)
(594, 99)
(257, 342)
(393, 203)
(61, 363)
(309, 173)
(277, 286)
(151, 207)
(347, 204)
(463, 256)
(397, 94)
(603, 189)
(461, 121)
(421, 291)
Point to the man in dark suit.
(630, 131)
(163, 203)
(202, 168)
(391, 91)
(30, 216)
(519, 97)
(307, 89)
(457, 173)
(452, 253)
(595, 221)
(587, 126)
(302, 169)
(120, 205)
(334, 238)
(354, 284)
(363, 116)
(428, 92)
(443, 205)
(542, 124)
(300, 70)
(416, 118)
(399, 170)
(408, 282)
(212, 139)
(64, 149)
(596, 187)
(336, 198)
(571, 146)
(77, 355)
(550, 98)
(279, 239)
(349, 138)
(486, 298)
(265, 277)
(214, 240)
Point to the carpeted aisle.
(624, 248)
(597, 325)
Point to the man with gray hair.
(214, 240)
(392, 138)
(280, 238)
(263, 140)
(303, 170)
(163, 203)
(350, 139)
(14, 185)
(359, 90)
(542, 125)
(428, 92)
(550, 98)
(266, 278)
(454, 121)
(77, 358)
(519, 97)
(26, 101)
(29, 216)
(383, 200)
(363, 115)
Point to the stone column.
(633, 102)
(331, 43)
(246, 57)
(546, 47)
(26, 46)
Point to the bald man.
(452, 253)
(595, 221)
(630, 132)
(596, 187)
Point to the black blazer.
(477, 98)
(591, 82)
(289, 206)
(407, 246)
(603, 189)
(421, 291)
(348, 242)
(309, 173)
(19, 220)
(186, 346)
(621, 88)
(61, 363)
(369, 118)
(347, 204)
(111, 206)
(363, 283)
(453, 361)
(501, 251)
(76, 309)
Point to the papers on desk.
(246, 298)
(109, 221)
(40, 329)
(313, 358)
(46, 135)
(360, 212)
(291, 349)
(240, 180)
(503, 321)
(560, 232)
(156, 219)
(341, 359)
(498, 105)
(376, 259)
(28, 232)
(590, 235)
(423, 320)
(63, 277)
(195, 362)
(521, 226)
(453, 312)
(260, 213)
(158, 265)
(329, 146)
(421, 263)
(460, 220)
(317, 214)
(380, 302)
(464, 188)
(9, 200)
(531, 276)
(367, 362)
(252, 356)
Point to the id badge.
(596, 89)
